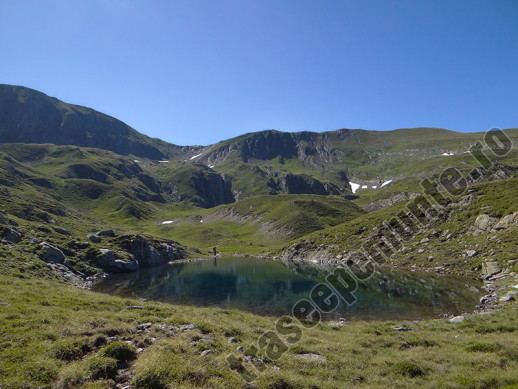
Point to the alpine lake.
(272, 288)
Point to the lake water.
(272, 288)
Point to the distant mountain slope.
(29, 116)
(261, 163)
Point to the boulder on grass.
(109, 233)
(94, 238)
(52, 254)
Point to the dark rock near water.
(150, 254)
(107, 260)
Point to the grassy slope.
(497, 199)
(58, 349)
(37, 327)
(253, 225)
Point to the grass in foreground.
(54, 335)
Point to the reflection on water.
(271, 288)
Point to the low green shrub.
(121, 351)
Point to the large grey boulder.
(107, 260)
(52, 254)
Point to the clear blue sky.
(196, 72)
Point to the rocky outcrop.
(110, 262)
(136, 252)
(87, 172)
(212, 189)
(151, 253)
(484, 224)
(303, 184)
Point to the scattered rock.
(420, 251)
(404, 329)
(232, 340)
(508, 297)
(2, 219)
(135, 307)
(52, 254)
(4, 304)
(64, 272)
(206, 352)
(471, 253)
(187, 327)
(144, 326)
(313, 357)
(506, 222)
(424, 240)
(240, 349)
(109, 233)
(79, 245)
(61, 230)
(11, 235)
(483, 224)
(490, 267)
(43, 229)
(458, 319)
(94, 238)
(45, 217)
(208, 340)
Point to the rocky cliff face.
(29, 116)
